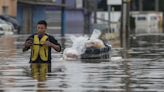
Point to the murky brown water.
(134, 74)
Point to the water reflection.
(8, 46)
(39, 71)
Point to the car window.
(141, 18)
(2, 21)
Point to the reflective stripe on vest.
(39, 49)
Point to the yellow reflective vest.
(38, 49)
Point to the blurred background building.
(29, 12)
(79, 15)
(8, 7)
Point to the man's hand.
(54, 46)
(28, 43)
(48, 43)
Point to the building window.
(5, 10)
(79, 4)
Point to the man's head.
(41, 26)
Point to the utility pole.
(63, 18)
(125, 25)
(89, 7)
(95, 11)
(87, 15)
(109, 18)
(63, 21)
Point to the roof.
(38, 2)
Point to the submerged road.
(136, 73)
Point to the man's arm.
(28, 43)
(53, 43)
(56, 47)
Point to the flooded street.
(142, 71)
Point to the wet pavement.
(141, 71)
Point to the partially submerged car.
(5, 27)
(11, 21)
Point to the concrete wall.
(74, 22)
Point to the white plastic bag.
(78, 48)
(70, 54)
(94, 41)
(96, 34)
(79, 43)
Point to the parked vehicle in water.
(147, 22)
(5, 27)
(12, 21)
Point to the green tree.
(161, 5)
(148, 5)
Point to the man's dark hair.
(43, 22)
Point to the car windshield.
(2, 22)
(10, 19)
(141, 18)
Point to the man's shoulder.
(32, 35)
(50, 36)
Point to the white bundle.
(81, 43)
(94, 41)
(78, 48)
(70, 54)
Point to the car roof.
(10, 19)
(2, 21)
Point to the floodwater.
(141, 71)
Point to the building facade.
(8, 7)
(30, 12)
(73, 17)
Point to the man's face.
(41, 28)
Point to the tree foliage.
(149, 5)
(161, 5)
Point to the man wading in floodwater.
(41, 44)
